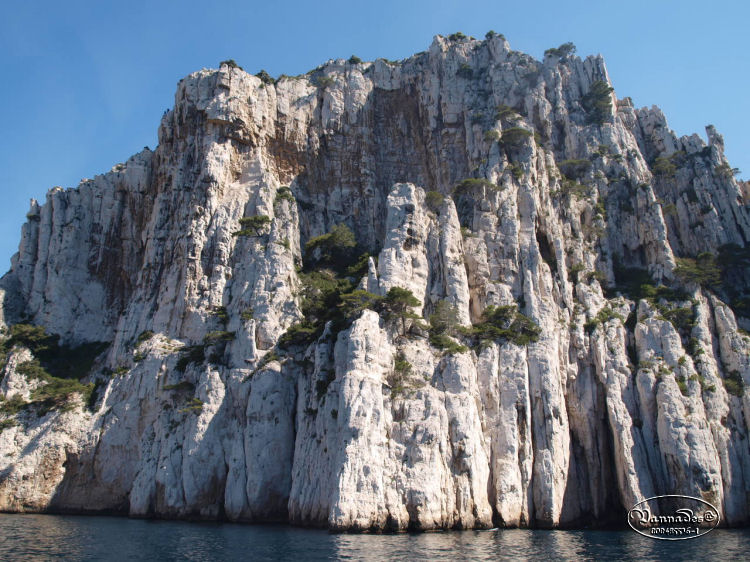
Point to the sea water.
(51, 537)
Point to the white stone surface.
(564, 431)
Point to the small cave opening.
(547, 250)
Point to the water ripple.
(53, 537)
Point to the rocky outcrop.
(474, 176)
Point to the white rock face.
(202, 410)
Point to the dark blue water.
(49, 537)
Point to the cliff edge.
(462, 290)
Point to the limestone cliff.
(592, 268)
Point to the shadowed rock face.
(616, 401)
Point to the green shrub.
(562, 51)
(397, 304)
(182, 386)
(574, 270)
(694, 347)
(516, 170)
(189, 355)
(268, 358)
(434, 200)
(247, 314)
(265, 77)
(490, 34)
(603, 316)
(212, 338)
(663, 167)
(401, 372)
(632, 281)
(682, 385)
(253, 226)
(637, 284)
(598, 102)
(691, 195)
(592, 231)
(444, 325)
(447, 344)
(506, 113)
(284, 194)
(663, 369)
(515, 137)
(701, 270)
(352, 304)
(574, 189)
(725, 171)
(35, 338)
(321, 294)
(144, 336)
(301, 334)
(360, 267)
(397, 386)
(354, 59)
(401, 365)
(230, 63)
(324, 81)
(221, 314)
(74, 362)
(574, 169)
(505, 323)
(325, 297)
(600, 209)
(194, 405)
(734, 384)
(11, 406)
(492, 135)
(60, 361)
(469, 185)
(334, 249)
(54, 393)
(445, 319)
(7, 424)
(458, 36)
(682, 318)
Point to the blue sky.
(85, 83)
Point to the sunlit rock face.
(189, 262)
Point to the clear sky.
(85, 82)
